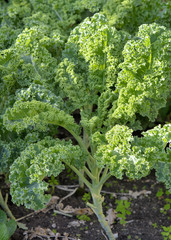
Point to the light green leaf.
(3, 217)
(40, 160)
(12, 226)
(37, 114)
(144, 82)
(4, 232)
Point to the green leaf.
(127, 204)
(3, 217)
(119, 156)
(89, 69)
(11, 226)
(159, 193)
(144, 82)
(167, 206)
(4, 234)
(39, 160)
(124, 14)
(37, 114)
(163, 173)
(7, 228)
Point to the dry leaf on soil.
(111, 216)
(137, 194)
(76, 223)
(75, 211)
(44, 233)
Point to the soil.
(144, 223)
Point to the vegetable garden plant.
(117, 80)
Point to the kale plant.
(117, 82)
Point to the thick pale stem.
(91, 176)
(98, 200)
(81, 183)
(97, 208)
(95, 189)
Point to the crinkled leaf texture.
(117, 154)
(156, 147)
(39, 93)
(30, 60)
(163, 172)
(130, 14)
(40, 160)
(8, 152)
(144, 83)
(38, 107)
(134, 156)
(12, 147)
(126, 80)
(90, 61)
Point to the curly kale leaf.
(51, 14)
(134, 156)
(144, 82)
(8, 35)
(130, 14)
(32, 59)
(115, 152)
(38, 107)
(39, 93)
(38, 55)
(39, 115)
(36, 162)
(12, 146)
(91, 5)
(90, 74)
(155, 145)
(163, 172)
(88, 70)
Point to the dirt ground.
(144, 218)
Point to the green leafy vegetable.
(60, 61)
(7, 228)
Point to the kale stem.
(57, 14)
(81, 183)
(105, 176)
(96, 206)
(98, 210)
(83, 147)
(89, 173)
(87, 183)
(86, 144)
(5, 207)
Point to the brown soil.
(145, 212)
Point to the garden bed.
(147, 197)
